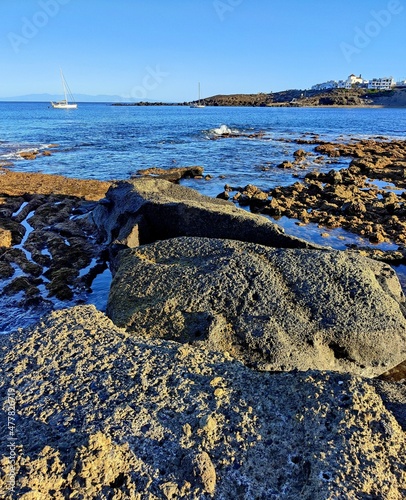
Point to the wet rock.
(286, 164)
(173, 174)
(106, 414)
(300, 155)
(330, 150)
(273, 309)
(345, 198)
(12, 228)
(223, 196)
(29, 155)
(21, 284)
(60, 280)
(6, 270)
(145, 210)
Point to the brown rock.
(22, 183)
(286, 164)
(5, 238)
(29, 155)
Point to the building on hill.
(386, 83)
(332, 84)
(349, 83)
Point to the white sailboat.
(65, 104)
(198, 104)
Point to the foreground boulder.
(102, 414)
(271, 308)
(145, 210)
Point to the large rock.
(102, 414)
(145, 210)
(270, 308)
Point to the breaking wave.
(224, 130)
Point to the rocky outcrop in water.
(347, 198)
(145, 210)
(174, 174)
(104, 414)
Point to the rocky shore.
(233, 360)
(367, 198)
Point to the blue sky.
(161, 49)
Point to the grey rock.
(274, 309)
(145, 210)
(103, 414)
(173, 174)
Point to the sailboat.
(65, 104)
(198, 104)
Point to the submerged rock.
(103, 414)
(272, 309)
(145, 210)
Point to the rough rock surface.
(49, 256)
(145, 210)
(5, 237)
(23, 183)
(273, 309)
(102, 414)
(173, 174)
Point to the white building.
(386, 83)
(332, 84)
(351, 81)
(401, 84)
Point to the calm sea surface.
(100, 141)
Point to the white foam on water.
(224, 130)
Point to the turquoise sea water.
(100, 141)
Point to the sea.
(106, 142)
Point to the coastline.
(109, 402)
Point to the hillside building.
(349, 83)
(386, 83)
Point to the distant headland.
(354, 97)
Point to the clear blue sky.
(161, 49)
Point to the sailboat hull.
(65, 104)
(62, 105)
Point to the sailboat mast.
(64, 86)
